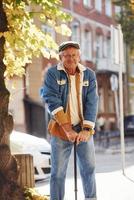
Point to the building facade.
(91, 27)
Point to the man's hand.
(83, 136)
(70, 133)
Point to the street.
(111, 183)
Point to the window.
(99, 43)
(76, 32)
(117, 9)
(98, 5)
(49, 30)
(87, 45)
(101, 100)
(110, 102)
(108, 7)
(87, 3)
(107, 48)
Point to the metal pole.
(75, 172)
(121, 98)
(117, 107)
(118, 58)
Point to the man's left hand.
(83, 136)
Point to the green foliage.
(24, 39)
(126, 19)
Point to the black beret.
(66, 44)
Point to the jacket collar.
(80, 67)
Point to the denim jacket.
(55, 92)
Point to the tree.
(20, 40)
(126, 19)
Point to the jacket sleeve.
(51, 95)
(91, 102)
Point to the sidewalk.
(110, 186)
(116, 186)
(111, 183)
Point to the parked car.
(129, 125)
(39, 148)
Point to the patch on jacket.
(86, 83)
(61, 82)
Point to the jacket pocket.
(86, 83)
(61, 82)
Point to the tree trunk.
(9, 190)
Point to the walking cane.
(75, 171)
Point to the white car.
(39, 148)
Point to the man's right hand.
(70, 133)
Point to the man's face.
(70, 57)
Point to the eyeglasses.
(70, 56)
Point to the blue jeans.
(60, 154)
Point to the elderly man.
(70, 92)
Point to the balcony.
(105, 64)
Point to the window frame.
(87, 3)
(98, 5)
(108, 8)
(75, 36)
(87, 41)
